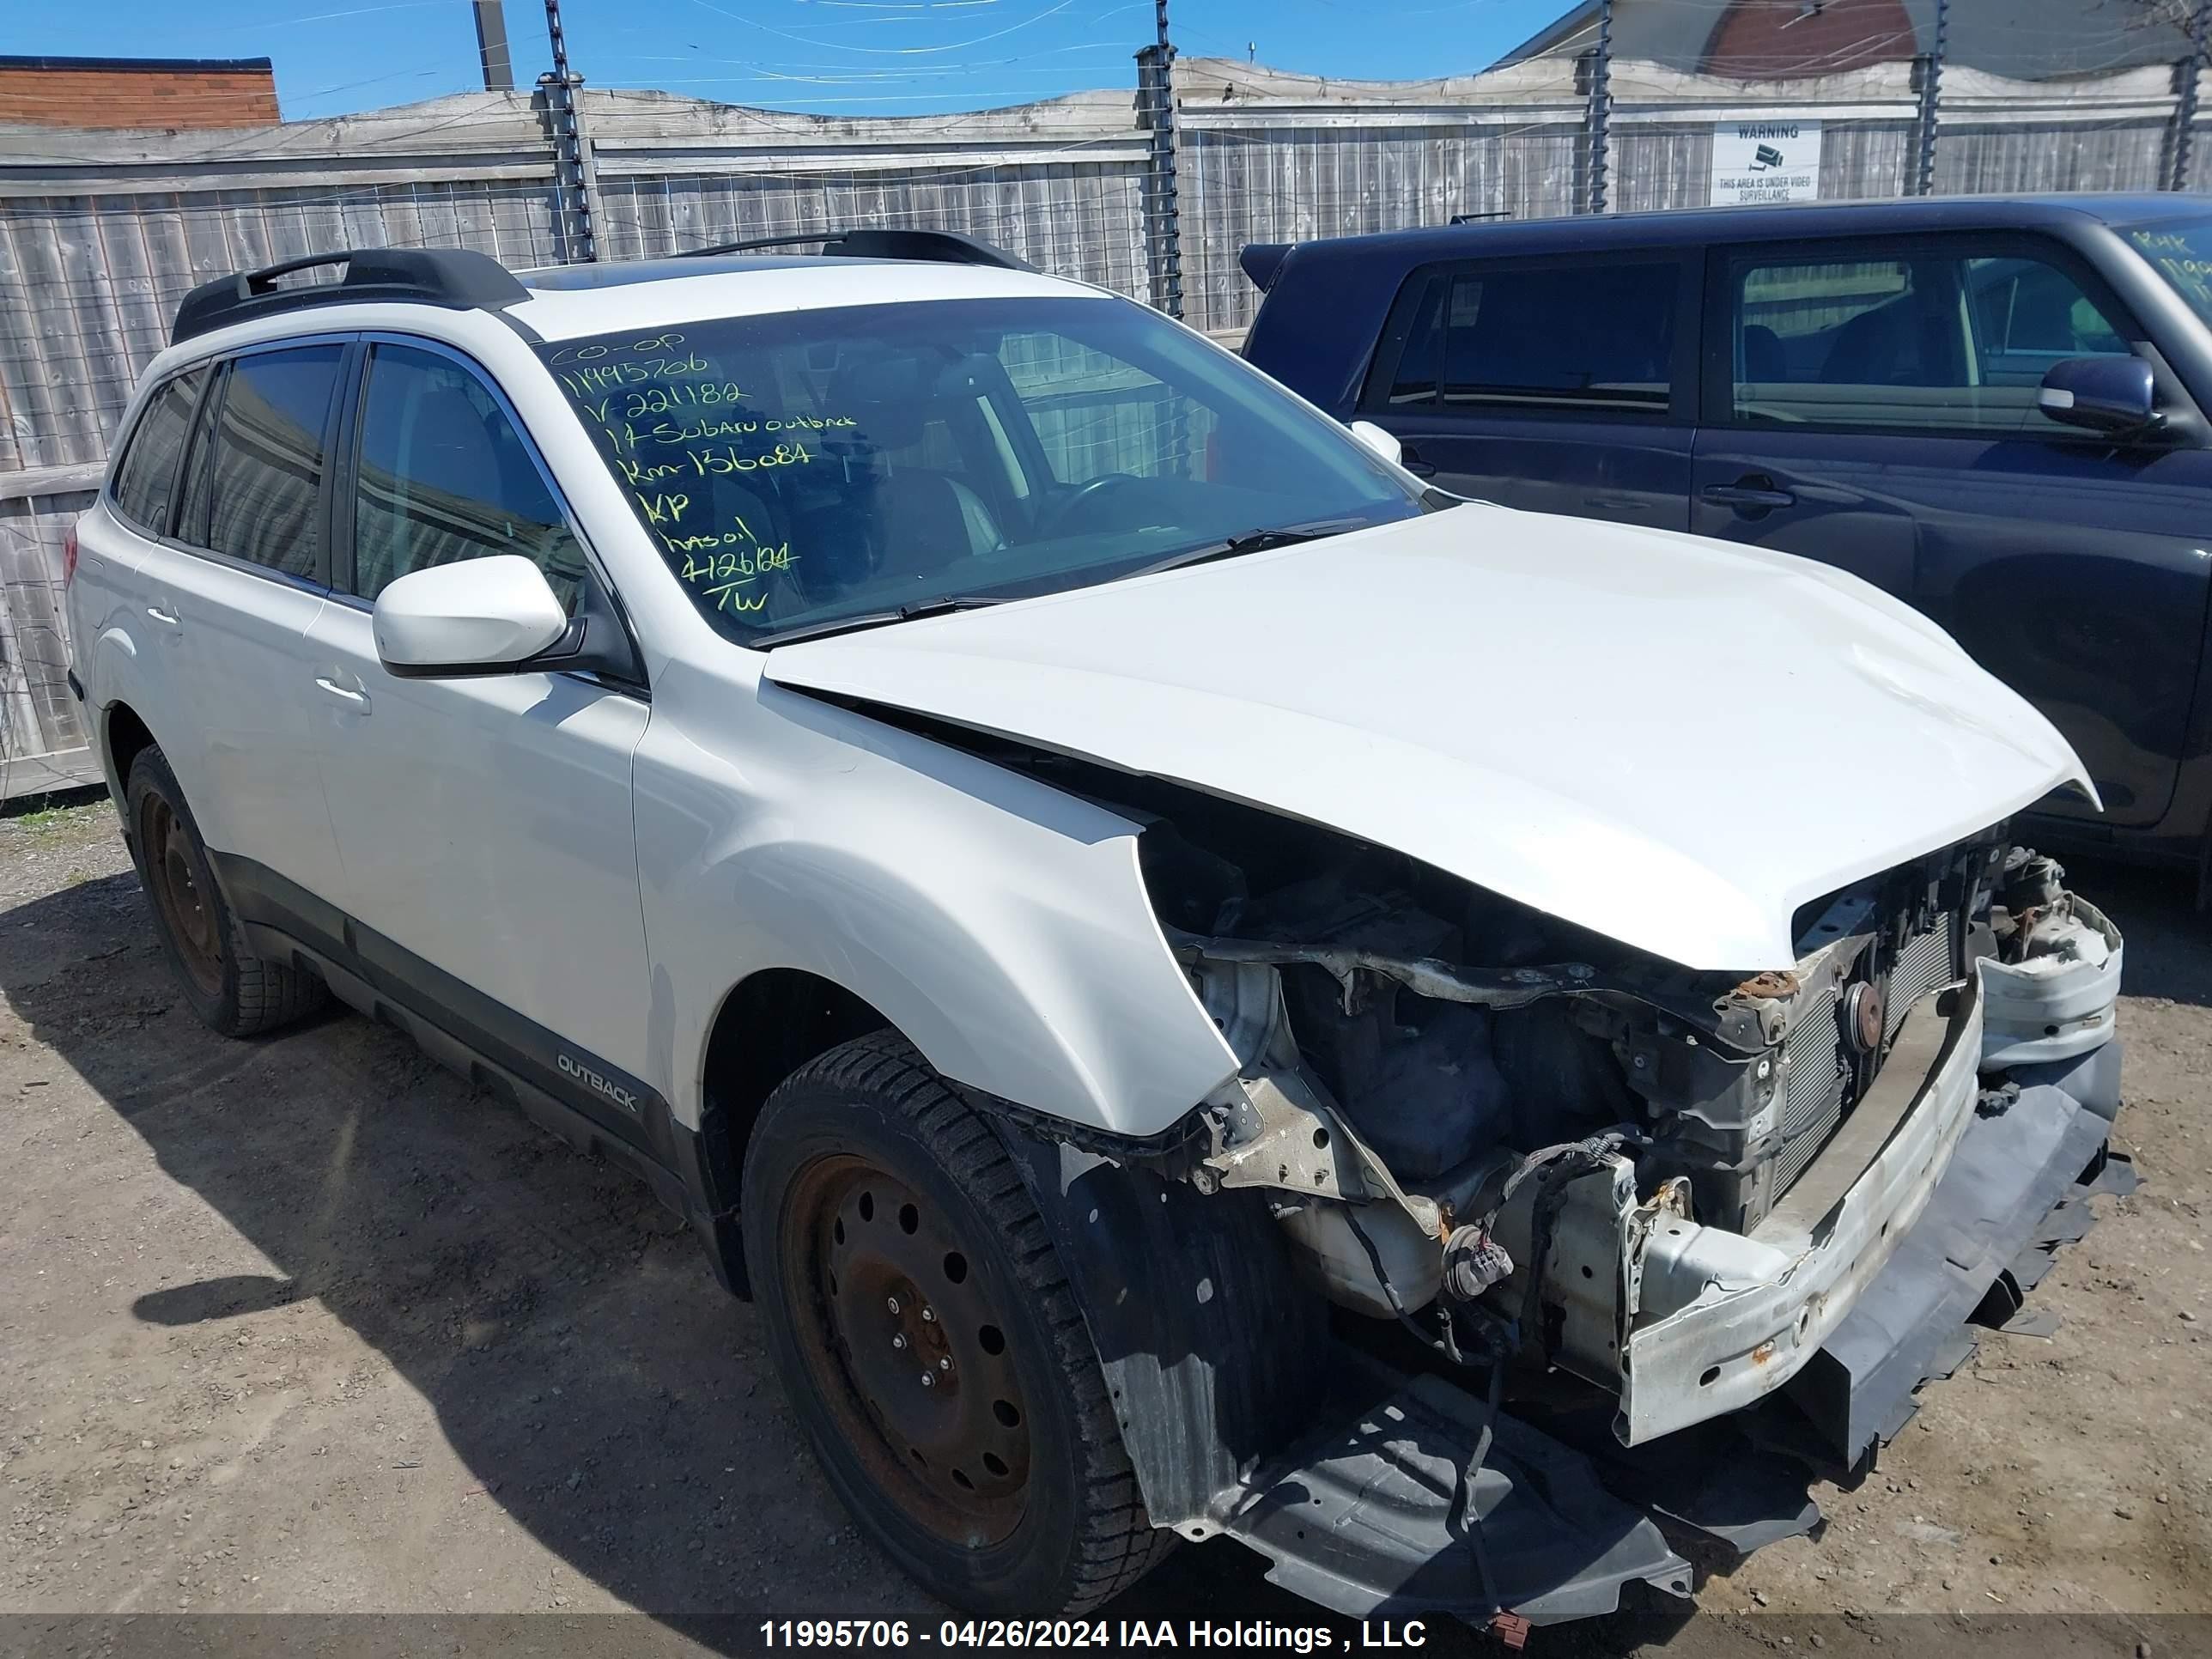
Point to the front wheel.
(929, 1343)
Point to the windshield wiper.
(939, 607)
(1253, 541)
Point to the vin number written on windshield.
(667, 414)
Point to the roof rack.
(457, 277)
(943, 247)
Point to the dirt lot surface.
(303, 1325)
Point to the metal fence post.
(575, 170)
(491, 46)
(2188, 72)
(1929, 67)
(1598, 118)
(1156, 112)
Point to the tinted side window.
(1948, 341)
(192, 515)
(146, 475)
(1572, 337)
(444, 477)
(2025, 310)
(266, 479)
(1420, 364)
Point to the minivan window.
(2180, 252)
(1566, 337)
(146, 475)
(797, 469)
(444, 476)
(265, 483)
(1947, 341)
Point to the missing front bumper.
(1686, 1324)
(1720, 1320)
(1358, 1517)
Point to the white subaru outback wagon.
(1201, 987)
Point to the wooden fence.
(102, 232)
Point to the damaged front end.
(1670, 1186)
(1612, 1243)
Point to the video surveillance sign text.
(1765, 161)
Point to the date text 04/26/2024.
(1112, 1633)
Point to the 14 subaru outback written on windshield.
(1199, 986)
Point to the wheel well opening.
(768, 1027)
(127, 736)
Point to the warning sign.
(1765, 161)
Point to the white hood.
(1674, 742)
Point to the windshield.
(800, 468)
(2180, 250)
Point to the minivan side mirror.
(478, 616)
(1378, 440)
(2111, 395)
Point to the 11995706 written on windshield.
(668, 414)
(813, 469)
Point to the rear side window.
(146, 475)
(444, 476)
(1951, 340)
(1572, 337)
(264, 485)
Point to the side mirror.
(2111, 395)
(479, 616)
(1378, 440)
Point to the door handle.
(162, 617)
(358, 699)
(1410, 458)
(1752, 493)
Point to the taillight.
(69, 556)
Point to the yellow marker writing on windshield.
(728, 460)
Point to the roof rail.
(944, 247)
(457, 277)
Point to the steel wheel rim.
(181, 892)
(884, 1292)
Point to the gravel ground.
(301, 1325)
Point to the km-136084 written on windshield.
(668, 415)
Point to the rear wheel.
(232, 990)
(929, 1343)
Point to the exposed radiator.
(1811, 1087)
(1815, 1075)
(1928, 962)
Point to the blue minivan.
(1994, 408)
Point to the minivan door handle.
(162, 617)
(1411, 460)
(1753, 493)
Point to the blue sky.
(841, 57)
